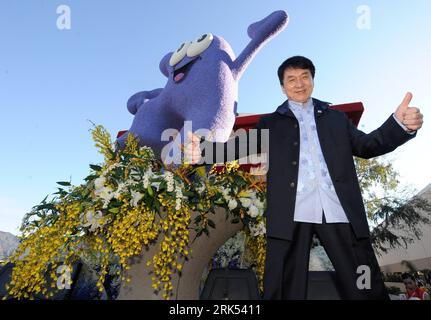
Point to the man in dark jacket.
(312, 186)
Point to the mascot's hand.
(410, 117)
(138, 99)
(268, 26)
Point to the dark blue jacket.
(340, 141)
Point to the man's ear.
(282, 89)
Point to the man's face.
(410, 284)
(298, 84)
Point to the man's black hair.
(296, 62)
(406, 276)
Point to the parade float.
(140, 218)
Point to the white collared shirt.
(315, 193)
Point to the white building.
(417, 253)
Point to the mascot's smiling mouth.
(180, 73)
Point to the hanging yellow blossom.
(129, 202)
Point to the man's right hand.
(192, 150)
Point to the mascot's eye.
(200, 45)
(179, 54)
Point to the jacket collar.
(319, 108)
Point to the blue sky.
(53, 81)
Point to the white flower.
(106, 194)
(156, 185)
(146, 180)
(121, 188)
(136, 197)
(94, 220)
(246, 202)
(134, 173)
(253, 211)
(224, 191)
(178, 198)
(99, 183)
(201, 188)
(247, 194)
(259, 204)
(116, 195)
(232, 204)
(148, 150)
(232, 249)
(257, 230)
(169, 178)
(113, 166)
(228, 198)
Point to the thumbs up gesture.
(410, 117)
(192, 150)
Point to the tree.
(394, 213)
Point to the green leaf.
(150, 191)
(188, 194)
(114, 210)
(45, 206)
(64, 183)
(113, 153)
(61, 192)
(235, 220)
(44, 200)
(95, 167)
(41, 214)
(200, 207)
(157, 205)
(211, 224)
(91, 177)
